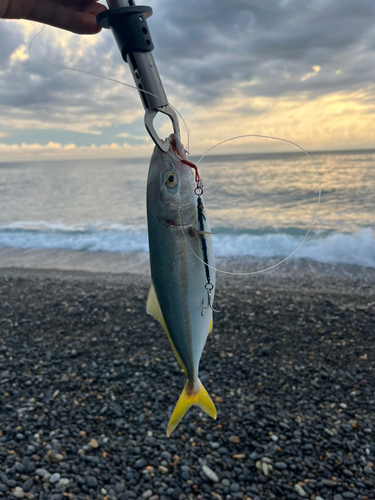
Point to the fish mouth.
(176, 146)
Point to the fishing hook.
(209, 287)
(198, 191)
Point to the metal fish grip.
(128, 23)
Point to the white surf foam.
(334, 248)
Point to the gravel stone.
(92, 482)
(301, 492)
(290, 389)
(210, 474)
(94, 444)
(20, 468)
(234, 439)
(27, 485)
(280, 466)
(64, 481)
(223, 451)
(265, 468)
(54, 478)
(177, 492)
(234, 487)
(130, 494)
(140, 463)
(18, 492)
(41, 472)
(329, 483)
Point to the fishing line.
(311, 222)
(202, 157)
(104, 78)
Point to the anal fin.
(153, 308)
(211, 325)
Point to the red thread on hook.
(191, 165)
(186, 162)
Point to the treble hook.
(209, 287)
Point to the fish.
(182, 268)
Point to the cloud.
(302, 121)
(259, 65)
(269, 45)
(44, 96)
(54, 150)
(315, 69)
(9, 41)
(125, 135)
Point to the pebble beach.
(88, 382)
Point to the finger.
(82, 23)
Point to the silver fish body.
(180, 245)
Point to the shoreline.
(137, 263)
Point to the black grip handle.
(129, 26)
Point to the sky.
(300, 71)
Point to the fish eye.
(170, 179)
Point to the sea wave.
(329, 248)
(93, 237)
(326, 247)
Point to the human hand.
(78, 16)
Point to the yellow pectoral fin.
(153, 308)
(200, 398)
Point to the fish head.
(170, 186)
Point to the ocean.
(58, 214)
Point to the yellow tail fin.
(186, 400)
